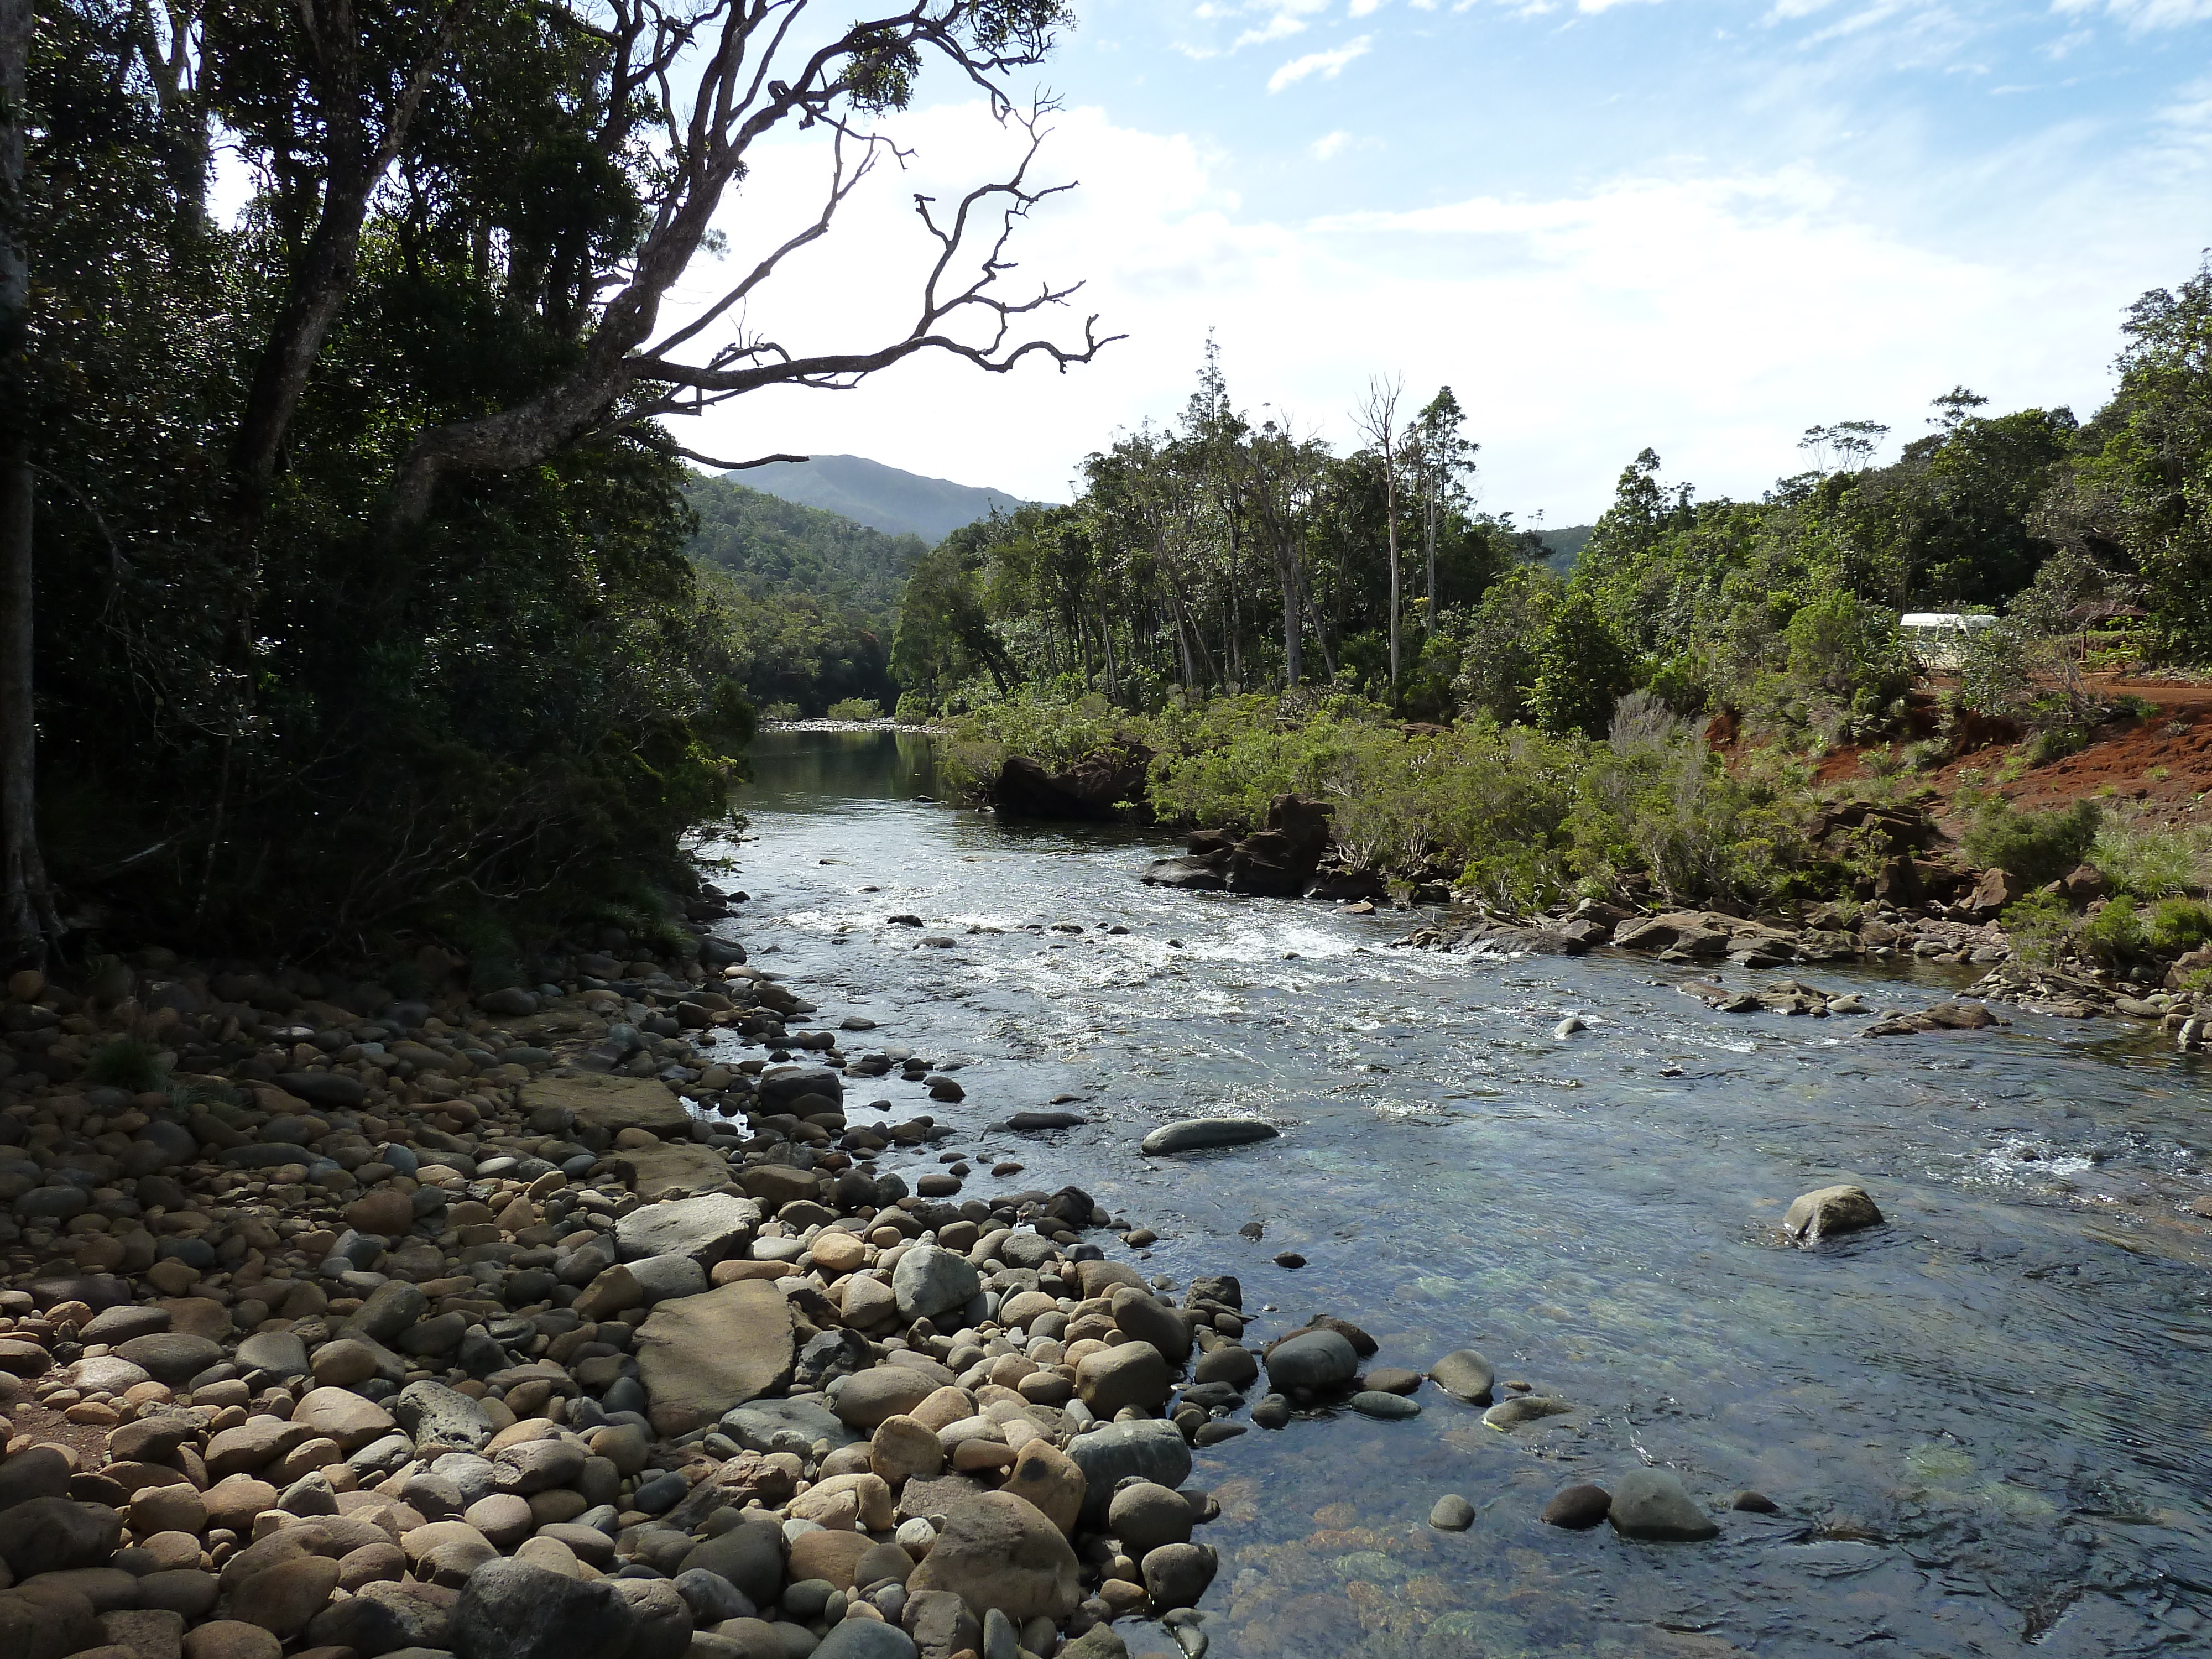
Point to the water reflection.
(1985, 1423)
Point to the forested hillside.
(770, 546)
(884, 498)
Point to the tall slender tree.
(1378, 424)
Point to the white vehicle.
(1938, 638)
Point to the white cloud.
(1328, 145)
(2140, 14)
(1327, 64)
(1280, 26)
(1713, 315)
(1363, 8)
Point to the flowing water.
(1988, 1424)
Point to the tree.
(27, 907)
(1377, 421)
(753, 79)
(1441, 455)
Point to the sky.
(1699, 227)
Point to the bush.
(2114, 933)
(856, 708)
(2151, 860)
(780, 711)
(913, 710)
(2040, 925)
(124, 1062)
(2177, 925)
(2037, 847)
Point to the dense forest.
(808, 599)
(343, 589)
(1216, 555)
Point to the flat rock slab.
(678, 1169)
(1194, 1134)
(706, 1229)
(612, 1103)
(700, 1355)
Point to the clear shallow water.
(1989, 1423)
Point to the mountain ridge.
(885, 498)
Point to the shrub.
(780, 711)
(2153, 860)
(2040, 925)
(913, 710)
(856, 708)
(2055, 743)
(2177, 924)
(124, 1062)
(2114, 933)
(2037, 847)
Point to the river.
(1988, 1424)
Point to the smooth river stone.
(1653, 1504)
(1194, 1134)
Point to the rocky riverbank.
(588, 1320)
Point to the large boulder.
(999, 1551)
(700, 1355)
(1106, 785)
(1278, 859)
(605, 1106)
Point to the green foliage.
(2177, 925)
(273, 723)
(2114, 935)
(2037, 847)
(2151, 861)
(856, 708)
(2040, 927)
(124, 1062)
(774, 548)
(913, 710)
(1581, 671)
(2139, 495)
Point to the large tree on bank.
(564, 159)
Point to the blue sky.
(1700, 227)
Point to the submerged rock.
(1653, 1504)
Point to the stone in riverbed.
(1577, 1508)
(869, 1396)
(708, 1229)
(1152, 1447)
(1510, 1414)
(779, 1086)
(1194, 1134)
(1840, 1209)
(56, 1534)
(792, 1425)
(700, 1355)
(999, 1551)
(604, 1103)
(1134, 1374)
(1653, 1504)
(1464, 1375)
(171, 1356)
(929, 1281)
(512, 1610)
(1374, 1402)
(1144, 1515)
(1310, 1360)
(1451, 1513)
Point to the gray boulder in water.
(1192, 1134)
